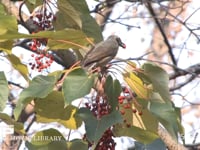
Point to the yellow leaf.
(131, 64)
(136, 85)
(72, 121)
(138, 116)
(3, 31)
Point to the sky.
(137, 41)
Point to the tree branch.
(152, 12)
(182, 84)
(15, 84)
(184, 23)
(194, 70)
(168, 140)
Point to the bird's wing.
(100, 51)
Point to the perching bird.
(102, 53)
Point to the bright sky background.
(137, 41)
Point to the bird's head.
(120, 43)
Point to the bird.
(102, 53)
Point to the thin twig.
(183, 23)
(182, 84)
(152, 12)
(16, 84)
(194, 70)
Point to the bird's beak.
(122, 45)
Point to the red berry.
(127, 106)
(39, 61)
(134, 110)
(121, 101)
(128, 125)
(48, 65)
(140, 113)
(51, 61)
(122, 112)
(41, 55)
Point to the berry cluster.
(42, 20)
(99, 108)
(37, 44)
(106, 142)
(126, 104)
(41, 61)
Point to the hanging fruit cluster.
(100, 107)
(42, 20)
(41, 61)
(126, 100)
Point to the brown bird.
(102, 53)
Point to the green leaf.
(4, 92)
(180, 127)
(64, 39)
(76, 85)
(56, 112)
(49, 139)
(138, 134)
(113, 90)
(18, 127)
(6, 46)
(155, 97)
(89, 24)
(96, 127)
(146, 120)
(159, 79)
(167, 116)
(32, 1)
(7, 23)
(77, 144)
(157, 144)
(67, 16)
(16, 63)
(2, 9)
(39, 87)
(11, 35)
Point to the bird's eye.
(118, 40)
